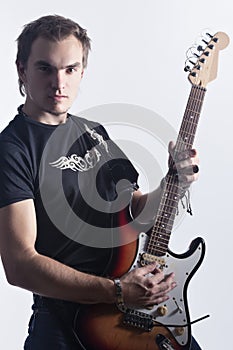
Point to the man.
(52, 166)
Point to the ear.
(82, 73)
(21, 71)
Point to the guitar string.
(164, 206)
(188, 128)
(190, 124)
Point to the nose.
(58, 81)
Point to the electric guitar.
(167, 325)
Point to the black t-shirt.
(79, 180)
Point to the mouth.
(58, 98)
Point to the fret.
(161, 221)
(161, 235)
(190, 128)
(189, 121)
(163, 239)
(196, 99)
(171, 192)
(170, 211)
(161, 231)
(157, 251)
(160, 244)
(191, 111)
(169, 201)
(187, 134)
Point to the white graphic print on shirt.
(78, 163)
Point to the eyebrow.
(46, 64)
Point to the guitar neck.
(190, 120)
(161, 231)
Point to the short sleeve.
(16, 181)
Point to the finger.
(186, 180)
(185, 163)
(156, 298)
(169, 282)
(171, 150)
(188, 169)
(153, 281)
(159, 283)
(164, 289)
(181, 164)
(189, 153)
(150, 268)
(171, 147)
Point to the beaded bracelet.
(119, 296)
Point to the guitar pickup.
(146, 259)
(138, 319)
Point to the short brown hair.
(52, 27)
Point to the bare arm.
(27, 269)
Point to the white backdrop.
(138, 53)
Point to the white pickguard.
(177, 310)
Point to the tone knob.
(162, 310)
(179, 330)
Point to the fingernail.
(192, 152)
(195, 169)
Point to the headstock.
(205, 68)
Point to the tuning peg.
(200, 48)
(192, 62)
(187, 69)
(202, 60)
(212, 37)
(204, 41)
(206, 53)
(211, 46)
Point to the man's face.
(52, 75)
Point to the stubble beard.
(55, 112)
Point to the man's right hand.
(146, 286)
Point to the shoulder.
(11, 139)
(87, 125)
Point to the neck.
(43, 116)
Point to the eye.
(45, 69)
(71, 70)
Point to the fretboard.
(161, 231)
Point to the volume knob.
(179, 330)
(162, 310)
